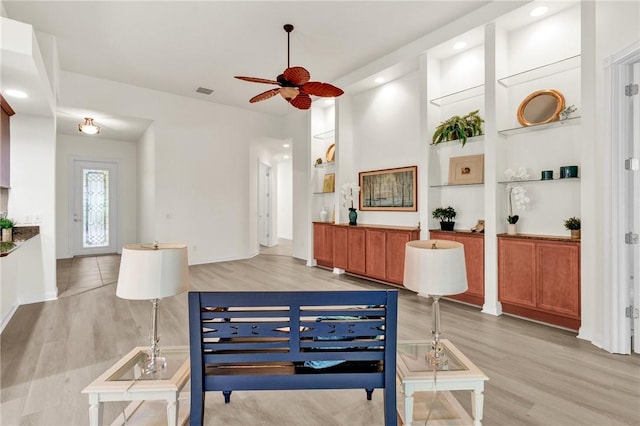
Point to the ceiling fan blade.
(302, 101)
(256, 80)
(325, 90)
(297, 75)
(264, 95)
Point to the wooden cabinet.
(474, 262)
(539, 278)
(323, 244)
(356, 260)
(369, 251)
(5, 145)
(376, 252)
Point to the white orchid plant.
(349, 193)
(517, 196)
(520, 173)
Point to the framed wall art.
(466, 170)
(389, 189)
(329, 184)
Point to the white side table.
(124, 381)
(415, 374)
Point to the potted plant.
(521, 201)
(446, 216)
(7, 229)
(573, 225)
(458, 128)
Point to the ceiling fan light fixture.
(88, 127)
(294, 84)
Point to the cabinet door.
(323, 244)
(558, 270)
(340, 247)
(516, 272)
(376, 253)
(396, 243)
(356, 259)
(474, 262)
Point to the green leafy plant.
(444, 214)
(572, 223)
(458, 128)
(513, 219)
(6, 223)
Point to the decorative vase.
(353, 216)
(575, 233)
(447, 226)
(512, 229)
(323, 215)
(7, 235)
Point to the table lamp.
(435, 268)
(151, 272)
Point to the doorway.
(622, 206)
(93, 220)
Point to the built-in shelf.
(329, 134)
(324, 164)
(462, 95)
(519, 130)
(446, 185)
(541, 71)
(506, 182)
(324, 193)
(457, 142)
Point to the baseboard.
(8, 317)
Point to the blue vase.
(353, 216)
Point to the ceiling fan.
(294, 83)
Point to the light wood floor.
(538, 375)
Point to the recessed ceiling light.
(379, 80)
(286, 157)
(16, 93)
(460, 45)
(538, 11)
(286, 145)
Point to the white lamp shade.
(438, 271)
(147, 272)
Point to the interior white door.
(634, 248)
(93, 217)
(264, 205)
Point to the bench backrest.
(250, 327)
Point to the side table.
(124, 381)
(415, 374)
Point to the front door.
(94, 224)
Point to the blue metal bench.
(276, 341)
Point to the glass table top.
(133, 368)
(414, 356)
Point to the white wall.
(146, 173)
(386, 134)
(202, 173)
(95, 149)
(284, 199)
(297, 127)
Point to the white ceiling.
(176, 46)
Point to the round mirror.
(543, 106)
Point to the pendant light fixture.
(89, 127)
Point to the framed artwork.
(466, 170)
(329, 184)
(389, 189)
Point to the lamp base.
(154, 364)
(436, 356)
